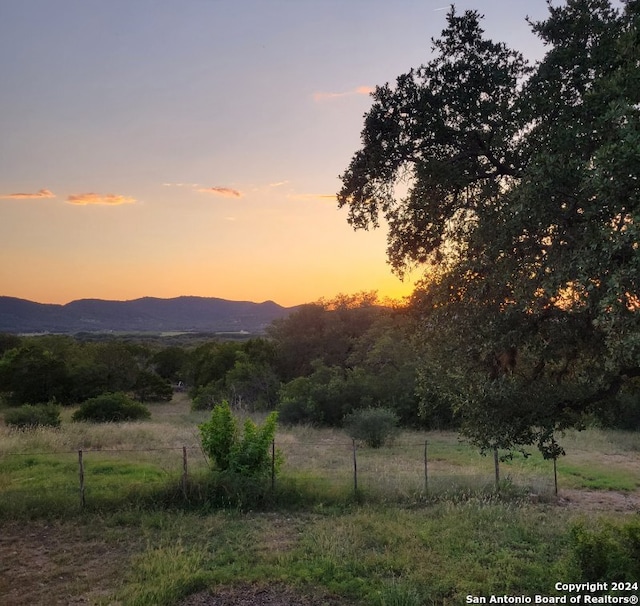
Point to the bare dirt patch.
(48, 565)
(261, 595)
(600, 500)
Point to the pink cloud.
(221, 191)
(93, 198)
(43, 193)
(359, 90)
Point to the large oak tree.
(516, 187)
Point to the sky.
(193, 147)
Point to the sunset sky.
(193, 147)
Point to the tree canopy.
(516, 187)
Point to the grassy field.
(144, 539)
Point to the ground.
(601, 500)
(249, 595)
(63, 565)
(56, 565)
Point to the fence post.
(355, 468)
(496, 463)
(426, 475)
(555, 474)
(273, 464)
(81, 474)
(184, 471)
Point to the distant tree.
(323, 331)
(251, 385)
(170, 363)
(118, 364)
(33, 375)
(9, 341)
(241, 373)
(210, 362)
(299, 339)
(88, 379)
(516, 187)
(253, 381)
(150, 387)
(386, 355)
(325, 396)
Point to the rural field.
(419, 521)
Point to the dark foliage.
(111, 407)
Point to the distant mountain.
(202, 314)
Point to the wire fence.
(400, 471)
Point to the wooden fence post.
(81, 474)
(184, 471)
(555, 474)
(273, 464)
(426, 475)
(496, 463)
(355, 468)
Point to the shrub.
(610, 552)
(247, 454)
(206, 396)
(374, 426)
(28, 416)
(219, 435)
(298, 412)
(111, 407)
(150, 387)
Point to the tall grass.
(366, 555)
(141, 462)
(395, 541)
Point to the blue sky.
(165, 148)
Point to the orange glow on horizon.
(47, 282)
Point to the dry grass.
(117, 556)
(172, 425)
(324, 457)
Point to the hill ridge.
(144, 314)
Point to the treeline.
(322, 362)
(63, 370)
(318, 365)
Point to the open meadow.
(147, 526)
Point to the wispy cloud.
(304, 197)
(43, 193)
(227, 192)
(360, 90)
(181, 185)
(93, 198)
(278, 183)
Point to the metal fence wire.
(402, 470)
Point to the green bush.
(150, 387)
(373, 426)
(206, 396)
(608, 552)
(28, 416)
(111, 407)
(298, 412)
(219, 435)
(246, 454)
